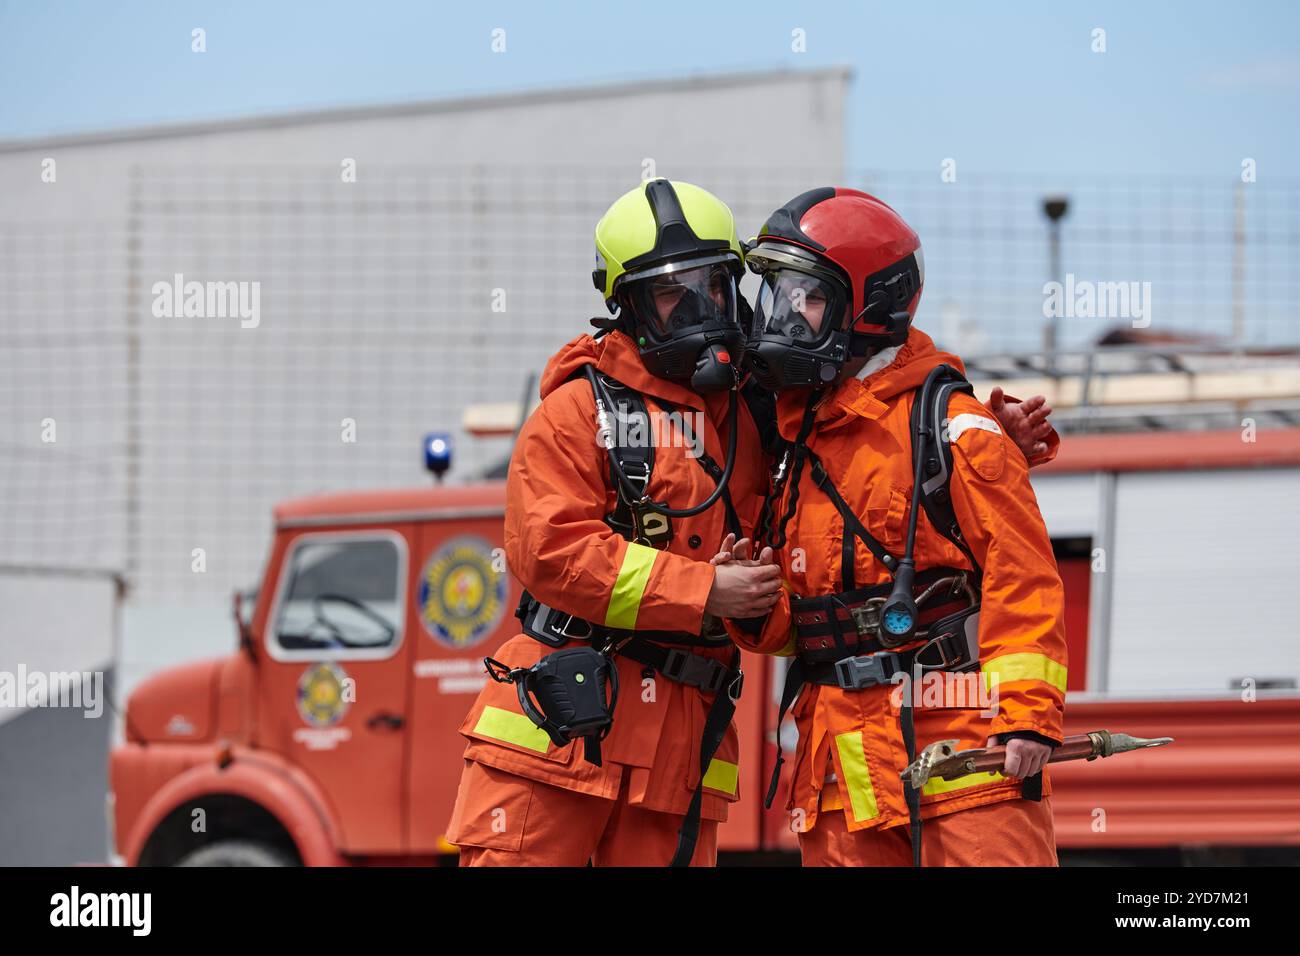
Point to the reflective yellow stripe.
(1027, 666)
(853, 771)
(938, 785)
(625, 602)
(512, 728)
(722, 776)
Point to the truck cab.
(330, 736)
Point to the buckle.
(958, 649)
(693, 670)
(866, 616)
(639, 480)
(867, 670)
(782, 469)
(737, 686)
(563, 629)
(501, 673)
(942, 646)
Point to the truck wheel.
(238, 853)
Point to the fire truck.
(329, 735)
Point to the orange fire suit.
(518, 786)
(851, 748)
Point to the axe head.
(929, 762)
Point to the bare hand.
(1024, 758)
(1024, 422)
(743, 588)
(733, 550)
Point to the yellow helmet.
(667, 261)
(659, 222)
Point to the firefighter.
(597, 563)
(913, 611)
(600, 563)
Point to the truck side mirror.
(243, 620)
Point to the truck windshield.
(340, 593)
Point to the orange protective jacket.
(851, 749)
(559, 547)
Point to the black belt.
(831, 627)
(684, 667)
(555, 628)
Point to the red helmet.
(842, 275)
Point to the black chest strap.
(627, 415)
(854, 529)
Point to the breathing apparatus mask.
(804, 330)
(684, 318)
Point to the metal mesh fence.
(987, 259)
(393, 302)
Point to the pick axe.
(942, 759)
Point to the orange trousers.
(502, 819)
(1010, 833)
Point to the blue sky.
(1184, 88)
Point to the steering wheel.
(318, 612)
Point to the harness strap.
(721, 711)
(637, 461)
(932, 451)
(853, 527)
(794, 681)
(801, 673)
(910, 793)
(793, 460)
(555, 628)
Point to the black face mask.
(803, 332)
(699, 342)
(704, 361)
(797, 339)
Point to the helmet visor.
(799, 306)
(685, 300)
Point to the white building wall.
(376, 299)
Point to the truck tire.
(238, 853)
